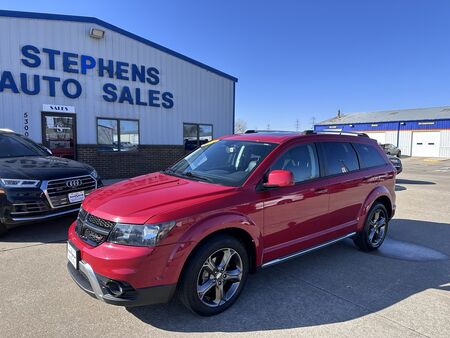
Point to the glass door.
(59, 134)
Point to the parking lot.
(402, 290)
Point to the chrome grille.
(57, 190)
(92, 229)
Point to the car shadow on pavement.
(335, 284)
(50, 231)
(405, 181)
(399, 187)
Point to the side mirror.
(279, 178)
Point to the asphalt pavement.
(402, 290)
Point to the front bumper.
(97, 286)
(22, 205)
(148, 275)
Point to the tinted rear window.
(368, 155)
(340, 157)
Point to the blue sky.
(297, 59)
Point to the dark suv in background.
(34, 185)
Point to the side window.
(340, 157)
(368, 155)
(301, 161)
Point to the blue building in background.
(417, 132)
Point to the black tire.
(3, 229)
(197, 273)
(370, 239)
(399, 154)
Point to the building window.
(194, 135)
(117, 135)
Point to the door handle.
(321, 191)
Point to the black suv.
(34, 185)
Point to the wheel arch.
(235, 225)
(379, 194)
(238, 233)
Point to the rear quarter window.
(368, 155)
(339, 157)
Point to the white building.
(94, 92)
(417, 132)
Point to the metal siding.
(425, 125)
(391, 137)
(399, 115)
(404, 142)
(200, 96)
(360, 127)
(444, 150)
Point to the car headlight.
(18, 183)
(140, 234)
(94, 174)
(395, 160)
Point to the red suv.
(234, 205)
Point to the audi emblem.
(74, 183)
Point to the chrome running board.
(305, 251)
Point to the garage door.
(380, 137)
(426, 143)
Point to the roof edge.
(93, 20)
(335, 120)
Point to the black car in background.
(34, 185)
(390, 149)
(396, 162)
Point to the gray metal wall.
(200, 96)
(444, 150)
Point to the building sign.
(33, 57)
(57, 108)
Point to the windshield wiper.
(202, 178)
(187, 174)
(168, 171)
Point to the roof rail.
(253, 131)
(350, 133)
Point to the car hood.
(138, 199)
(41, 168)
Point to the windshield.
(12, 145)
(226, 162)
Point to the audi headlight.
(18, 183)
(140, 234)
(94, 174)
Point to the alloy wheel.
(219, 277)
(377, 227)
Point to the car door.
(294, 215)
(345, 185)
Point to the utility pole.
(297, 125)
(268, 126)
(313, 120)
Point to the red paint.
(280, 220)
(279, 178)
